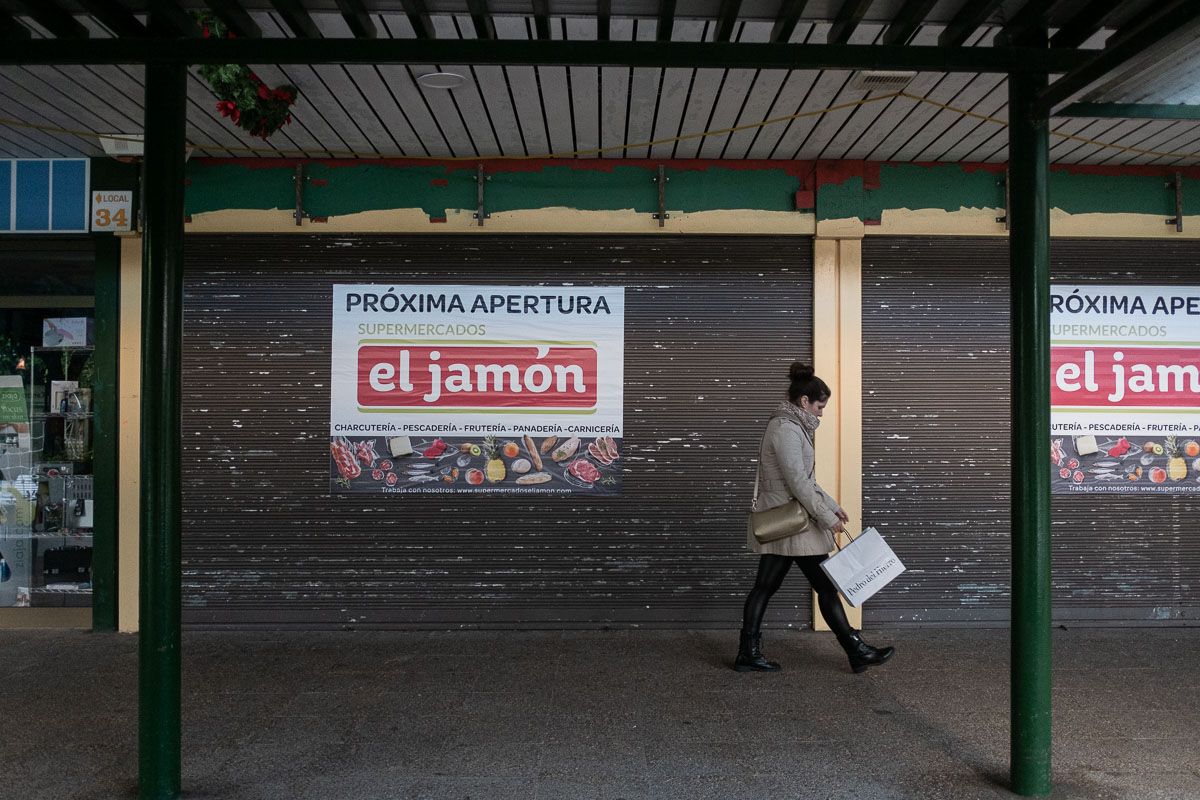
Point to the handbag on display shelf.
(863, 567)
(780, 522)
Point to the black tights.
(771, 571)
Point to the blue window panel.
(33, 195)
(69, 208)
(6, 195)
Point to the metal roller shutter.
(936, 440)
(711, 325)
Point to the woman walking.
(786, 465)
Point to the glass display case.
(46, 505)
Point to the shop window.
(46, 384)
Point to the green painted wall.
(334, 190)
(340, 188)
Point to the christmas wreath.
(242, 96)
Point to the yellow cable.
(596, 151)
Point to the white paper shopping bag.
(863, 567)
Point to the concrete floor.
(597, 715)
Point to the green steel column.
(1029, 254)
(105, 421)
(162, 330)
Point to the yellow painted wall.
(837, 359)
(129, 387)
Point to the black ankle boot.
(861, 654)
(750, 657)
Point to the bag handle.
(851, 538)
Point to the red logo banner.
(477, 376)
(1116, 377)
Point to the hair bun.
(800, 372)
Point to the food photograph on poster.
(1125, 389)
(477, 389)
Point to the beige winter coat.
(786, 465)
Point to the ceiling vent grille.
(880, 80)
(122, 144)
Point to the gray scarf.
(805, 419)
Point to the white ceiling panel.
(936, 126)
(706, 84)
(759, 101)
(614, 107)
(791, 100)
(796, 132)
(556, 100)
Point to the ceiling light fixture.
(441, 80)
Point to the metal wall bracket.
(1007, 200)
(298, 180)
(1177, 220)
(480, 179)
(662, 216)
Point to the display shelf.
(60, 415)
(27, 535)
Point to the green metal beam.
(10, 28)
(234, 15)
(106, 423)
(358, 19)
(1087, 20)
(481, 17)
(907, 20)
(967, 21)
(789, 16)
(1032, 16)
(167, 19)
(541, 18)
(1130, 111)
(54, 18)
(727, 18)
(162, 333)
(115, 17)
(847, 19)
(666, 20)
(1029, 258)
(1169, 20)
(510, 52)
(1030, 286)
(603, 20)
(418, 17)
(297, 18)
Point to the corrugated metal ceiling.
(375, 111)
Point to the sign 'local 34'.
(477, 389)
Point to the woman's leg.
(771, 572)
(861, 654)
(827, 595)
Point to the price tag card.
(112, 211)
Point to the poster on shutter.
(477, 389)
(1125, 389)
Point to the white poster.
(1125, 388)
(497, 389)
